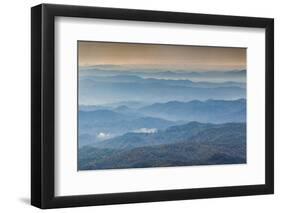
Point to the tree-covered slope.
(190, 144)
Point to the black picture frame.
(43, 102)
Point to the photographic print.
(158, 105)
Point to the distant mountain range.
(190, 144)
(117, 120)
(133, 78)
(93, 124)
(232, 75)
(120, 88)
(215, 111)
(136, 118)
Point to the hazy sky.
(161, 56)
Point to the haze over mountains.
(117, 86)
(153, 118)
(215, 111)
(193, 75)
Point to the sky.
(133, 55)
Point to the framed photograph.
(139, 106)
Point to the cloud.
(103, 136)
(145, 130)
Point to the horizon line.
(133, 67)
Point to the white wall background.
(15, 105)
